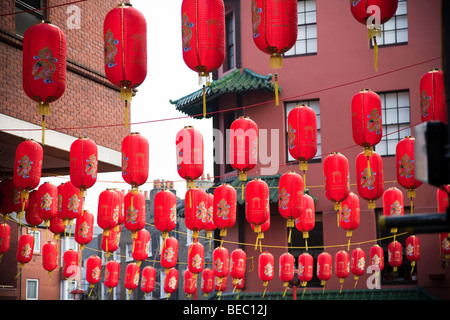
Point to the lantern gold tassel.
(125, 95)
(277, 101)
(373, 33)
(204, 101)
(43, 110)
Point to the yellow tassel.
(373, 33)
(43, 130)
(126, 114)
(204, 101)
(277, 102)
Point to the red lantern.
(243, 146)
(433, 104)
(220, 265)
(134, 212)
(44, 66)
(48, 202)
(442, 198)
(93, 270)
(369, 177)
(195, 210)
(84, 229)
(83, 164)
(141, 246)
(342, 266)
(112, 273)
(108, 211)
(266, 268)
(220, 284)
(148, 278)
(239, 285)
(290, 198)
(257, 206)
(307, 219)
(445, 244)
(393, 204)
(203, 37)
(32, 214)
(190, 283)
(305, 268)
(165, 208)
(324, 265)
(405, 163)
(196, 258)
(189, 147)
(70, 263)
(110, 242)
(238, 264)
(274, 29)
(224, 208)
(125, 36)
(5, 239)
(169, 253)
(302, 134)
(349, 215)
(358, 263)
(25, 249)
(13, 200)
(207, 283)
(49, 256)
(377, 257)
(337, 179)
(171, 282)
(121, 216)
(286, 269)
(132, 272)
(260, 236)
(412, 249)
(57, 226)
(395, 255)
(135, 158)
(70, 203)
(210, 226)
(27, 169)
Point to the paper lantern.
(169, 253)
(165, 209)
(412, 250)
(57, 227)
(170, 282)
(49, 256)
(238, 286)
(442, 198)
(32, 213)
(110, 241)
(220, 284)
(207, 283)
(189, 147)
(5, 239)
(244, 136)
(44, 66)
(203, 38)
(342, 266)
(190, 283)
(324, 266)
(260, 235)
(121, 215)
(84, 229)
(286, 269)
(358, 263)
(141, 246)
(307, 219)
(48, 202)
(369, 177)
(132, 272)
(433, 104)
(125, 43)
(221, 268)
(25, 249)
(393, 204)
(238, 263)
(112, 273)
(395, 254)
(108, 211)
(445, 245)
(302, 135)
(305, 268)
(135, 160)
(377, 257)
(93, 270)
(266, 268)
(224, 208)
(27, 169)
(196, 258)
(70, 263)
(13, 199)
(350, 215)
(134, 203)
(148, 279)
(290, 198)
(274, 30)
(210, 226)
(70, 203)
(195, 210)
(83, 164)
(257, 206)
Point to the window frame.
(37, 289)
(39, 15)
(395, 30)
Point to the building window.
(396, 120)
(396, 29)
(37, 241)
(229, 29)
(32, 289)
(24, 20)
(307, 29)
(314, 104)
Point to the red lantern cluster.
(189, 148)
(433, 104)
(224, 208)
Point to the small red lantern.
(412, 249)
(48, 202)
(84, 229)
(220, 284)
(171, 282)
(224, 208)
(324, 265)
(132, 273)
(260, 236)
(57, 227)
(195, 210)
(369, 177)
(395, 255)
(110, 242)
(93, 270)
(70, 203)
(27, 169)
(377, 257)
(238, 263)
(49, 256)
(286, 269)
(190, 283)
(358, 263)
(302, 134)
(135, 160)
(32, 213)
(25, 249)
(141, 246)
(112, 273)
(290, 198)
(349, 215)
(433, 104)
(257, 206)
(266, 268)
(203, 38)
(44, 66)
(125, 36)
(196, 258)
(207, 283)
(393, 204)
(70, 263)
(210, 226)
(189, 147)
(169, 253)
(243, 146)
(165, 208)
(13, 200)
(134, 212)
(148, 279)
(274, 29)
(307, 219)
(221, 263)
(5, 239)
(445, 244)
(83, 164)
(305, 268)
(342, 266)
(442, 198)
(109, 207)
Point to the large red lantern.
(307, 219)
(395, 254)
(70, 203)
(224, 208)
(169, 253)
(221, 263)
(324, 266)
(358, 263)
(135, 160)
(290, 198)
(32, 214)
(165, 208)
(93, 270)
(405, 165)
(207, 283)
(203, 38)
(195, 210)
(132, 272)
(302, 135)
(433, 104)
(257, 206)
(238, 263)
(373, 13)
(196, 258)
(369, 177)
(305, 268)
(393, 204)
(134, 203)
(412, 249)
(70, 263)
(25, 249)
(286, 269)
(83, 164)
(27, 169)
(274, 30)
(190, 283)
(189, 147)
(49, 256)
(266, 269)
(84, 229)
(112, 273)
(44, 66)
(377, 257)
(170, 282)
(349, 215)
(243, 146)
(5, 239)
(342, 266)
(108, 211)
(148, 279)
(48, 202)
(210, 226)
(141, 246)
(125, 42)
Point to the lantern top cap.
(244, 117)
(434, 70)
(188, 127)
(134, 133)
(124, 5)
(365, 90)
(302, 105)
